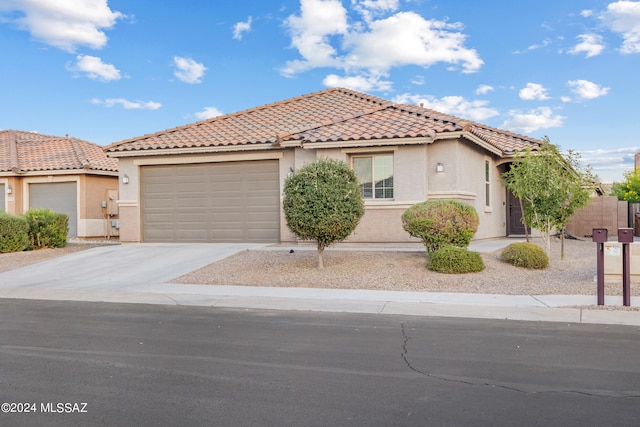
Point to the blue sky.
(105, 71)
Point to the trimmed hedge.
(14, 233)
(455, 260)
(47, 229)
(439, 223)
(527, 255)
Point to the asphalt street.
(82, 363)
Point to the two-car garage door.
(212, 202)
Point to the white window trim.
(360, 153)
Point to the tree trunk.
(320, 260)
(562, 244)
(524, 220)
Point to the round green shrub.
(47, 229)
(439, 223)
(525, 254)
(14, 233)
(455, 260)
(323, 202)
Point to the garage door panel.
(190, 203)
(219, 202)
(59, 197)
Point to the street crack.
(453, 380)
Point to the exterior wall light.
(9, 190)
(125, 179)
(440, 167)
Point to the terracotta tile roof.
(260, 125)
(22, 152)
(331, 115)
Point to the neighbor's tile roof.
(22, 152)
(331, 115)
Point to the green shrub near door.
(439, 223)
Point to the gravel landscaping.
(405, 271)
(349, 268)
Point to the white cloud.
(484, 89)
(565, 99)
(241, 27)
(623, 17)
(536, 46)
(208, 113)
(323, 37)
(407, 38)
(418, 80)
(371, 8)
(65, 24)
(361, 83)
(126, 104)
(95, 68)
(533, 91)
(609, 164)
(586, 89)
(188, 70)
(533, 120)
(310, 33)
(602, 156)
(591, 45)
(476, 110)
(586, 13)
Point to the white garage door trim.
(211, 202)
(59, 197)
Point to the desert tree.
(552, 186)
(323, 202)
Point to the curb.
(371, 306)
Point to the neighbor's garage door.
(213, 202)
(59, 197)
(2, 193)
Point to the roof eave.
(189, 150)
(364, 142)
(60, 172)
(471, 137)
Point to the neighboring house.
(63, 174)
(221, 179)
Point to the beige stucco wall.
(463, 179)
(93, 220)
(415, 180)
(90, 190)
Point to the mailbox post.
(625, 236)
(600, 237)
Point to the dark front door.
(514, 213)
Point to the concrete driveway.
(127, 267)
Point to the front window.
(487, 184)
(375, 175)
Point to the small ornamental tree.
(439, 223)
(552, 185)
(323, 202)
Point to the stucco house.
(66, 175)
(221, 179)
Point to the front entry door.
(514, 213)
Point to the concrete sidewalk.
(139, 273)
